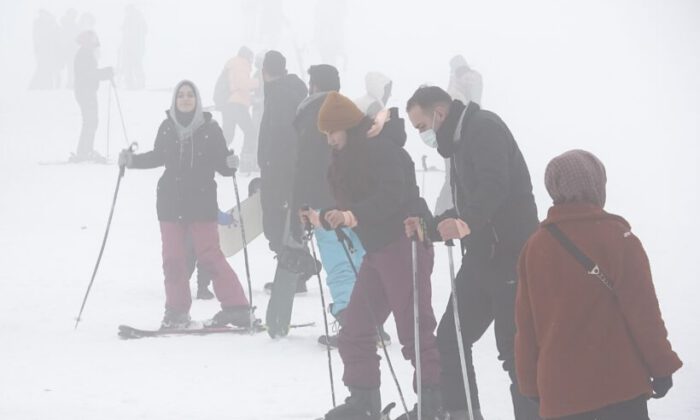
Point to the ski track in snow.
(51, 225)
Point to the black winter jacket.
(314, 157)
(277, 143)
(187, 190)
(491, 185)
(87, 75)
(393, 195)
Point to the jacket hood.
(376, 83)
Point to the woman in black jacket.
(191, 146)
(373, 181)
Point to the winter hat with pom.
(338, 113)
(576, 176)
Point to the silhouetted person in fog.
(46, 50)
(239, 89)
(133, 48)
(87, 80)
(69, 32)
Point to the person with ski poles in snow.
(191, 146)
(591, 342)
(372, 179)
(494, 214)
(311, 188)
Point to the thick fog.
(620, 79)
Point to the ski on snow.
(129, 332)
(384, 415)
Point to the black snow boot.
(238, 316)
(362, 404)
(432, 406)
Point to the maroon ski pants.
(385, 285)
(205, 240)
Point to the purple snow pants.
(205, 238)
(385, 285)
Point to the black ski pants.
(486, 293)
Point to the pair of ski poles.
(348, 248)
(122, 168)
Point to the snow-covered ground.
(629, 92)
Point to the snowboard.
(230, 237)
(199, 328)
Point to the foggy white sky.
(621, 79)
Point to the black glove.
(661, 386)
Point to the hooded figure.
(191, 146)
(378, 93)
(374, 186)
(614, 332)
(465, 83)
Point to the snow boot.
(432, 406)
(332, 339)
(238, 316)
(204, 293)
(362, 404)
(174, 320)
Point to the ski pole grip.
(307, 223)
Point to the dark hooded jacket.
(314, 157)
(491, 185)
(187, 190)
(87, 74)
(277, 142)
(385, 190)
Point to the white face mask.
(429, 136)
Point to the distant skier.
(374, 186)
(86, 83)
(133, 48)
(191, 146)
(235, 110)
(586, 349)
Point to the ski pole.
(122, 169)
(109, 118)
(458, 330)
(349, 248)
(119, 108)
(416, 325)
(309, 236)
(245, 253)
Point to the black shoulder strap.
(588, 264)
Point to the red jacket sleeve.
(640, 308)
(526, 349)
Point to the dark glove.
(126, 158)
(661, 386)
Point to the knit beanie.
(576, 176)
(274, 63)
(338, 113)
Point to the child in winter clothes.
(373, 182)
(191, 146)
(584, 348)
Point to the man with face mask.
(494, 213)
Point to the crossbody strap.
(591, 267)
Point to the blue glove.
(225, 219)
